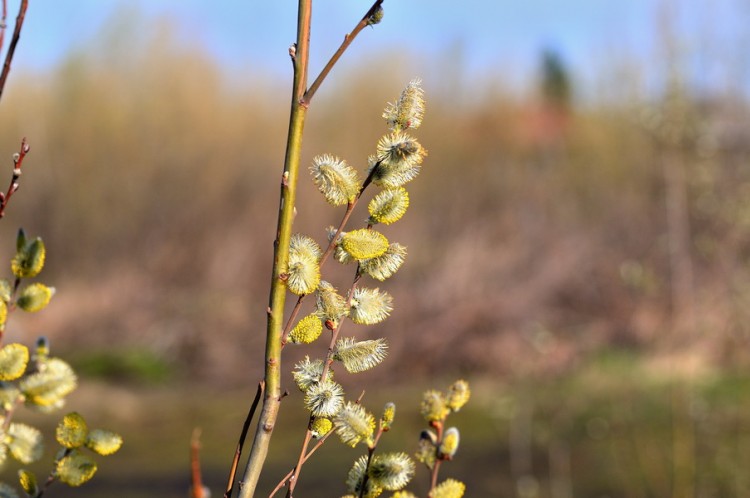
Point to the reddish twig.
(195, 465)
(310, 453)
(3, 23)
(17, 163)
(348, 39)
(13, 42)
(241, 442)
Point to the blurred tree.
(555, 85)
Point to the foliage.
(41, 382)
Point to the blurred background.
(578, 239)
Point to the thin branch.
(438, 426)
(348, 39)
(13, 43)
(284, 480)
(17, 163)
(197, 490)
(3, 23)
(290, 321)
(310, 453)
(277, 295)
(241, 442)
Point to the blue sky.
(499, 36)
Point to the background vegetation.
(583, 259)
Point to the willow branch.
(272, 397)
(13, 42)
(241, 441)
(348, 39)
(17, 163)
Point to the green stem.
(272, 397)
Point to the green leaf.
(75, 469)
(104, 442)
(35, 297)
(72, 431)
(25, 443)
(47, 388)
(7, 491)
(13, 360)
(28, 482)
(364, 243)
(29, 260)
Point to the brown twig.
(17, 163)
(195, 465)
(3, 23)
(310, 453)
(370, 453)
(326, 367)
(438, 426)
(348, 39)
(13, 42)
(241, 441)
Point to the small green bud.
(20, 240)
(389, 413)
(375, 17)
(29, 260)
(35, 297)
(28, 482)
(42, 348)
